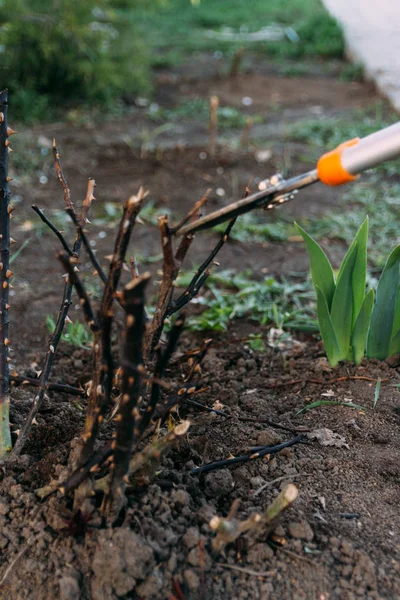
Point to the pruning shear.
(339, 166)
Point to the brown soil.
(341, 539)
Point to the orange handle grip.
(330, 168)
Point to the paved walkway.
(372, 32)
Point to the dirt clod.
(218, 483)
(300, 530)
(191, 537)
(121, 558)
(69, 586)
(191, 579)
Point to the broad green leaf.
(395, 339)
(383, 315)
(327, 331)
(396, 322)
(361, 326)
(342, 303)
(394, 347)
(320, 267)
(360, 268)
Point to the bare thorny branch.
(166, 306)
(129, 416)
(5, 275)
(103, 363)
(65, 304)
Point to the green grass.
(108, 214)
(254, 227)
(352, 72)
(179, 30)
(198, 109)
(289, 303)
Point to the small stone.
(191, 537)
(218, 484)
(205, 513)
(198, 558)
(172, 562)
(260, 553)
(191, 580)
(273, 465)
(241, 474)
(251, 364)
(4, 507)
(180, 497)
(296, 546)
(229, 397)
(121, 557)
(16, 492)
(300, 530)
(69, 586)
(150, 587)
(347, 548)
(268, 437)
(334, 541)
(256, 482)
(279, 531)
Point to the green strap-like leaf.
(383, 315)
(394, 347)
(360, 268)
(320, 267)
(361, 326)
(327, 331)
(342, 302)
(396, 321)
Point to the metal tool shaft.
(372, 150)
(270, 197)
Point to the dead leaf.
(326, 437)
(328, 394)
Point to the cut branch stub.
(170, 272)
(230, 528)
(61, 178)
(128, 417)
(5, 436)
(131, 210)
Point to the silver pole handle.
(372, 150)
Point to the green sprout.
(77, 334)
(352, 321)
